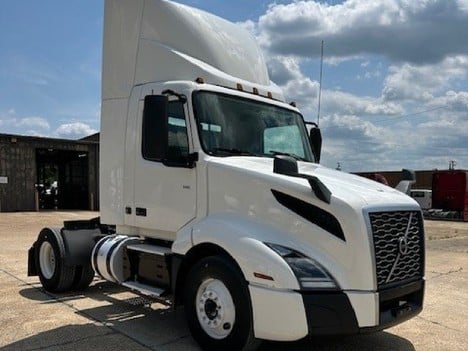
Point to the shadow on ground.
(134, 323)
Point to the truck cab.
(212, 196)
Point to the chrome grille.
(399, 246)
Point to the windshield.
(230, 125)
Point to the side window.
(285, 138)
(159, 141)
(177, 140)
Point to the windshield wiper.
(297, 157)
(233, 151)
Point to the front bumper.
(290, 315)
(333, 313)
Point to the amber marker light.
(263, 276)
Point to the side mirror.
(408, 174)
(315, 139)
(408, 178)
(286, 165)
(155, 127)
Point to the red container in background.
(450, 191)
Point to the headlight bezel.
(310, 274)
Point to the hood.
(354, 190)
(242, 187)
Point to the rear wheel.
(217, 306)
(54, 274)
(84, 275)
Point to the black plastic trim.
(313, 214)
(398, 304)
(32, 269)
(141, 212)
(177, 261)
(79, 244)
(330, 314)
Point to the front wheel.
(217, 306)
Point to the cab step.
(145, 289)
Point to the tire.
(217, 306)
(55, 275)
(84, 275)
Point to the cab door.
(165, 194)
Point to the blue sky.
(395, 84)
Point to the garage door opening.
(62, 179)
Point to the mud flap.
(32, 269)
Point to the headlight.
(310, 274)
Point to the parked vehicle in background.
(423, 197)
(450, 193)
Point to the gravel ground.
(107, 317)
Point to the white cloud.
(418, 31)
(349, 104)
(283, 69)
(74, 130)
(422, 83)
(33, 122)
(304, 91)
(11, 123)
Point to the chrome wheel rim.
(215, 308)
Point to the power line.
(397, 117)
(410, 114)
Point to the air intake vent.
(399, 247)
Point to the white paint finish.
(3, 180)
(157, 40)
(150, 248)
(423, 197)
(183, 242)
(122, 25)
(167, 193)
(111, 164)
(242, 185)
(134, 110)
(246, 191)
(366, 307)
(278, 315)
(211, 39)
(243, 239)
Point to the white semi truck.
(212, 196)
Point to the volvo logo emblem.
(403, 245)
